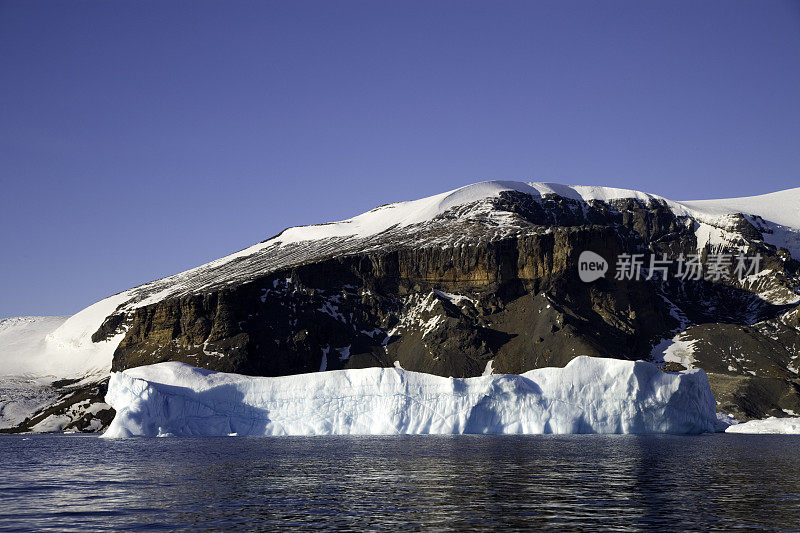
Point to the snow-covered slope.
(404, 214)
(23, 360)
(589, 395)
(58, 347)
(23, 343)
(35, 352)
(373, 228)
(778, 213)
(782, 207)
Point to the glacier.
(589, 395)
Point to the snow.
(404, 214)
(714, 237)
(761, 283)
(782, 207)
(676, 350)
(457, 299)
(23, 343)
(713, 220)
(58, 347)
(589, 395)
(768, 425)
(416, 311)
(779, 210)
(22, 397)
(724, 421)
(36, 351)
(323, 364)
(54, 423)
(344, 353)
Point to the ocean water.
(621, 482)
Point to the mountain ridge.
(422, 209)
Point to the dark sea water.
(622, 482)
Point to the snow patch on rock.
(678, 350)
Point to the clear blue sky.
(139, 139)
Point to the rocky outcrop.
(78, 407)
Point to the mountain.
(476, 280)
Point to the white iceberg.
(589, 395)
(786, 426)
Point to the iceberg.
(773, 425)
(589, 395)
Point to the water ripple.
(435, 483)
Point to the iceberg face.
(589, 395)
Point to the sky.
(140, 139)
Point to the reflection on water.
(432, 482)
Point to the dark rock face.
(451, 296)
